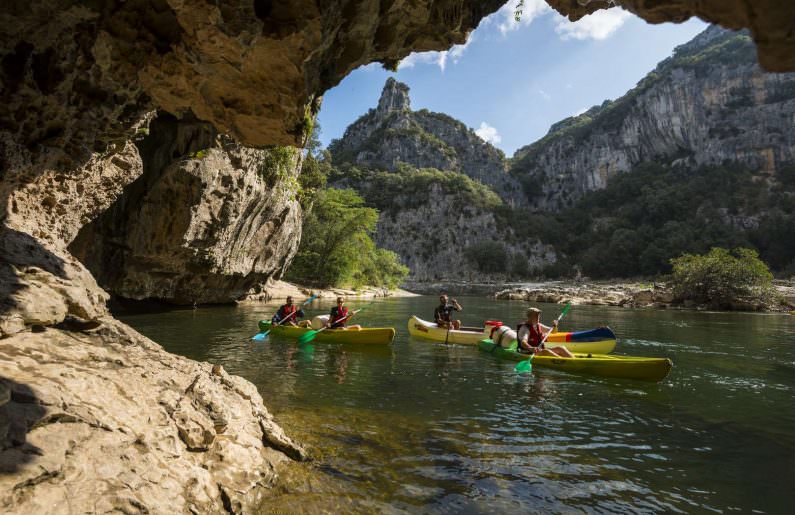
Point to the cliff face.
(434, 238)
(707, 104)
(434, 182)
(78, 84)
(392, 134)
(207, 221)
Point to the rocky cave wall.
(78, 81)
(208, 221)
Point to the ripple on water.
(420, 427)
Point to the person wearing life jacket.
(443, 314)
(531, 334)
(340, 315)
(288, 314)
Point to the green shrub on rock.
(722, 279)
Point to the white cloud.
(488, 133)
(505, 18)
(544, 94)
(599, 25)
(440, 59)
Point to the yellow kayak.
(366, 335)
(430, 331)
(621, 367)
(595, 341)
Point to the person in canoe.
(340, 315)
(443, 314)
(288, 314)
(530, 335)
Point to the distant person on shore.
(288, 314)
(530, 335)
(340, 315)
(443, 314)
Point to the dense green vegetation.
(409, 187)
(646, 217)
(721, 278)
(337, 248)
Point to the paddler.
(340, 315)
(531, 332)
(443, 314)
(288, 314)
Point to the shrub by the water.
(721, 278)
(337, 248)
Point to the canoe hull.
(423, 329)
(595, 341)
(364, 336)
(619, 367)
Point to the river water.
(423, 427)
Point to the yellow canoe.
(366, 335)
(595, 341)
(620, 367)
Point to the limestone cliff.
(392, 134)
(78, 81)
(707, 104)
(207, 221)
(434, 182)
(107, 421)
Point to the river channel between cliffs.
(420, 426)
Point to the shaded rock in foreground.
(107, 420)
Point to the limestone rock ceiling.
(84, 70)
(772, 22)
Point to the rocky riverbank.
(278, 290)
(632, 295)
(103, 419)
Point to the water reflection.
(423, 426)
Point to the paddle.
(526, 365)
(449, 321)
(310, 335)
(261, 336)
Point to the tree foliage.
(654, 213)
(489, 257)
(721, 278)
(337, 248)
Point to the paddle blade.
(260, 337)
(524, 367)
(307, 337)
(566, 309)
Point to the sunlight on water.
(423, 426)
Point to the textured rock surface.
(39, 280)
(431, 226)
(708, 104)
(392, 134)
(431, 238)
(108, 421)
(771, 21)
(631, 295)
(207, 222)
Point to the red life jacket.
(535, 337)
(286, 311)
(337, 315)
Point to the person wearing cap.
(288, 314)
(340, 315)
(531, 333)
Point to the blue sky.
(511, 81)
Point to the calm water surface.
(421, 427)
